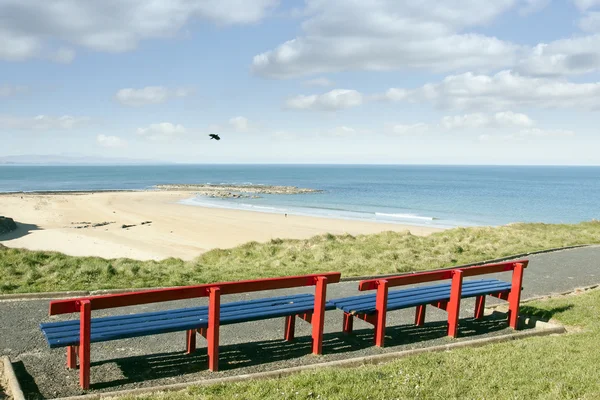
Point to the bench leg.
(515, 296)
(212, 334)
(72, 357)
(454, 303)
(348, 323)
(479, 306)
(420, 315)
(381, 307)
(190, 341)
(84, 344)
(290, 326)
(318, 317)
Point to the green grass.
(389, 252)
(551, 367)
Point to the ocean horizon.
(443, 196)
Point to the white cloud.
(322, 82)
(29, 28)
(590, 22)
(149, 95)
(501, 119)
(12, 90)
(43, 122)
(476, 120)
(162, 131)
(110, 141)
(578, 55)
(333, 100)
(502, 91)
(411, 129)
(384, 35)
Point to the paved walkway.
(254, 346)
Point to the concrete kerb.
(547, 329)
(14, 388)
(80, 293)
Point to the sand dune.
(49, 221)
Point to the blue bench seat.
(406, 298)
(66, 333)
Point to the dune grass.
(385, 253)
(551, 367)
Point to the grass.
(24, 271)
(551, 367)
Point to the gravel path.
(254, 346)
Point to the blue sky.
(315, 81)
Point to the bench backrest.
(188, 292)
(430, 276)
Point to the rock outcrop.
(236, 191)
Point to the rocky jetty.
(7, 225)
(236, 191)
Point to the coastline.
(64, 221)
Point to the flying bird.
(214, 136)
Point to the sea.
(425, 195)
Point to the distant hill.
(72, 160)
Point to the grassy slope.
(559, 367)
(388, 252)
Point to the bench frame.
(452, 306)
(214, 292)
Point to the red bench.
(77, 335)
(373, 308)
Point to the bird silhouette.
(214, 136)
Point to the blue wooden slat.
(183, 310)
(59, 334)
(166, 319)
(396, 294)
(428, 294)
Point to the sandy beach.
(64, 222)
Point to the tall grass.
(384, 253)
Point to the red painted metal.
(420, 277)
(454, 303)
(429, 276)
(203, 332)
(479, 306)
(348, 323)
(420, 315)
(370, 318)
(71, 357)
(381, 307)
(318, 317)
(214, 312)
(188, 292)
(85, 323)
(290, 326)
(190, 341)
(515, 296)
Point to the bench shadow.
(22, 230)
(28, 385)
(238, 356)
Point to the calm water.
(422, 195)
